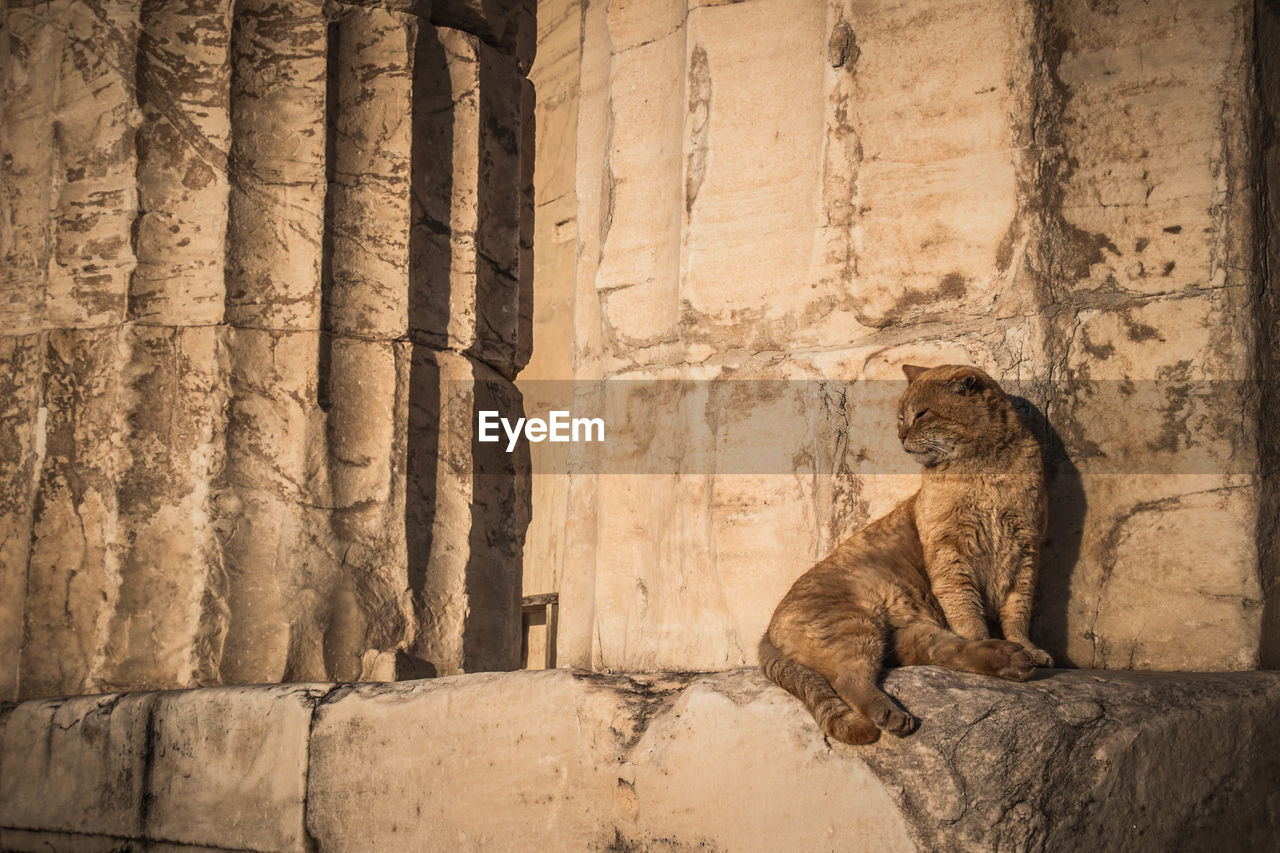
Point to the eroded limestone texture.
(1065, 194)
(216, 412)
(264, 261)
(1072, 760)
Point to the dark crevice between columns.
(501, 487)
(1266, 311)
(430, 271)
(324, 355)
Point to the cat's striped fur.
(921, 584)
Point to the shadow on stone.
(500, 511)
(1067, 507)
(430, 275)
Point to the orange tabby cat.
(923, 582)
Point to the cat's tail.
(831, 713)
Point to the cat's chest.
(991, 527)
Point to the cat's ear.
(968, 384)
(912, 371)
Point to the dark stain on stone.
(1142, 243)
(699, 121)
(842, 47)
(1068, 252)
(622, 844)
(1168, 268)
(161, 145)
(1004, 252)
(1096, 350)
(1173, 229)
(198, 175)
(1174, 431)
(100, 299)
(952, 286)
(147, 771)
(641, 700)
(1139, 331)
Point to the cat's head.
(952, 412)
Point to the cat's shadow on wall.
(1067, 507)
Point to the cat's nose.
(902, 432)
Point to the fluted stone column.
(172, 353)
(218, 261)
(72, 270)
(275, 238)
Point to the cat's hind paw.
(895, 721)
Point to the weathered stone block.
(77, 765)
(22, 434)
(640, 152)
(279, 133)
(73, 570)
(666, 771)
(173, 395)
(369, 434)
(183, 90)
(229, 767)
(26, 164)
(1149, 193)
(274, 427)
(750, 211)
(94, 159)
(371, 171)
(560, 780)
(1070, 759)
(938, 103)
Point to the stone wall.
(1064, 193)
(254, 262)
(262, 266)
(565, 761)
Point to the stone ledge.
(1075, 759)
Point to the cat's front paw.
(1039, 656)
(1007, 660)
